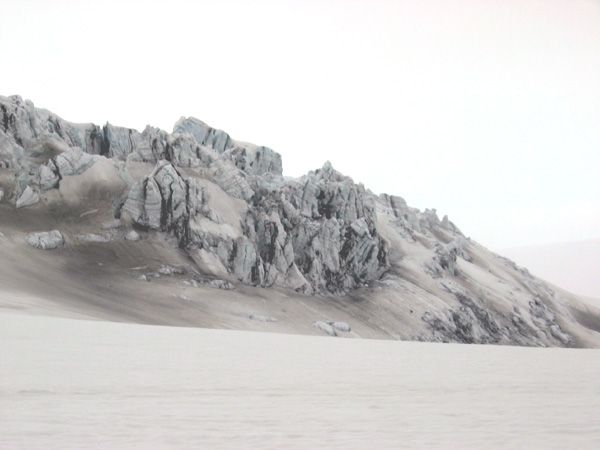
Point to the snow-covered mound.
(223, 210)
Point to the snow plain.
(80, 384)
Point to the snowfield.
(79, 384)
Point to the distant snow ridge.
(228, 206)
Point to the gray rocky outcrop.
(204, 134)
(166, 201)
(228, 207)
(166, 269)
(256, 160)
(318, 233)
(132, 235)
(325, 327)
(215, 283)
(28, 197)
(46, 240)
(320, 229)
(73, 161)
(344, 327)
(315, 236)
(445, 256)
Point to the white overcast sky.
(488, 111)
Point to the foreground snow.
(87, 384)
